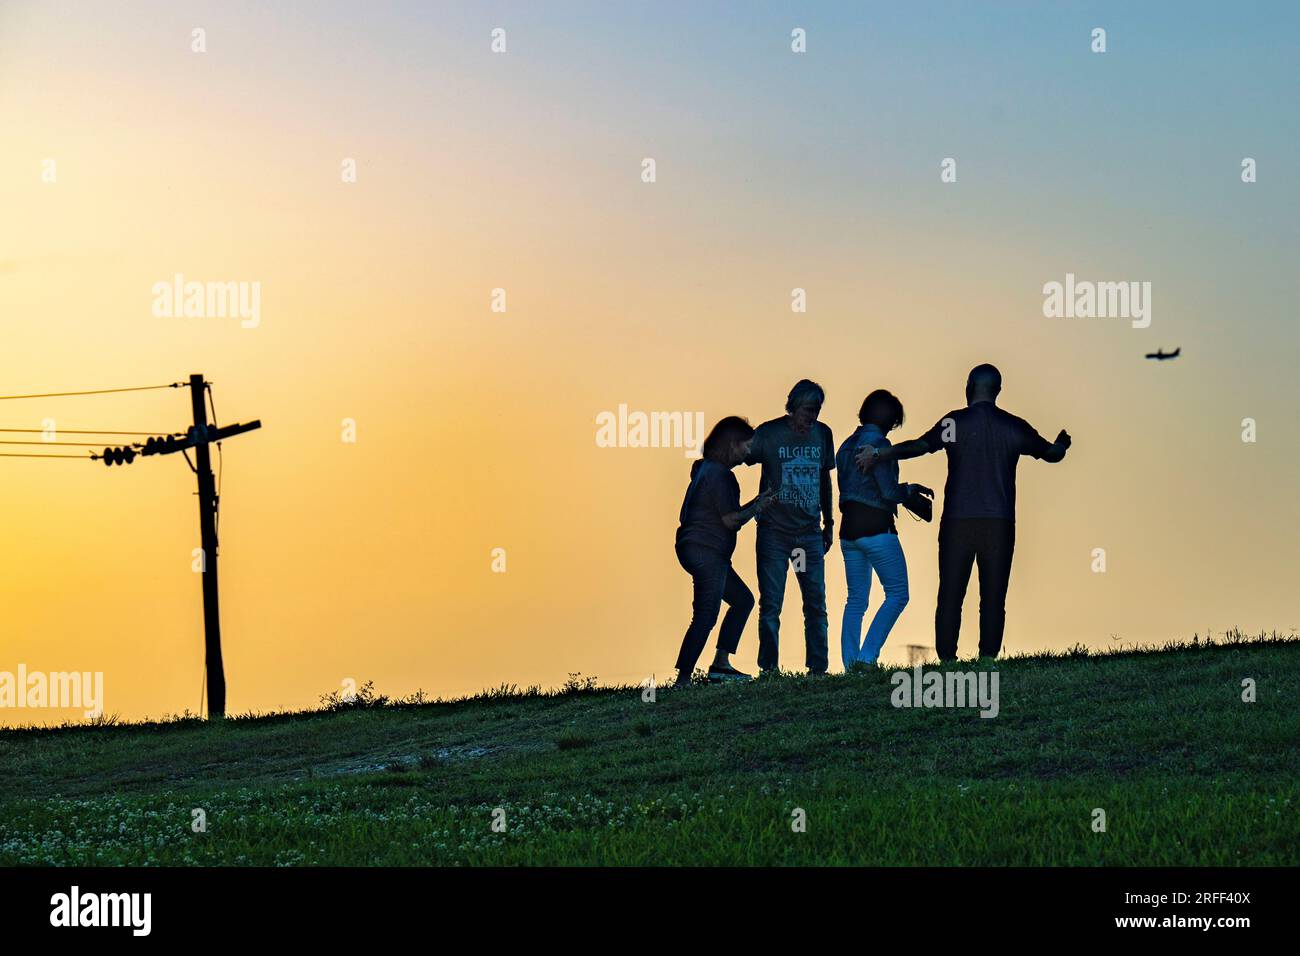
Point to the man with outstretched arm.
(984, 444)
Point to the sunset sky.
(523, 171)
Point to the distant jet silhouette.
(1161, 355)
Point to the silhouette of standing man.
(984, 445)
(797, 453)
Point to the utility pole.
(199, 437)
(216, 672)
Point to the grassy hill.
(1185, 771)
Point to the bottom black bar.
(328, 904)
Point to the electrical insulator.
(119, 456)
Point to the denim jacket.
(879, 487)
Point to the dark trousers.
(776, 552)
(988, 542)
(715, 582)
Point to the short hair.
(985, 377)
(882, 408)
(805, 392)
(733, 428)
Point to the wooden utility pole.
(199, 437)
(216, 672)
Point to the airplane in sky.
(1161, 355)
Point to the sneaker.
(726, 672)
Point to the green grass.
(1186, 772)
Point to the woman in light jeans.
(868, 537)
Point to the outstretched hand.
(1063, 439)
(866, 457)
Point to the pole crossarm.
(169, 444)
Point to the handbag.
(920, 505)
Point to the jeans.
(715, 582)
(882, 553)
(989, 542)
(776, 551)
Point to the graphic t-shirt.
(795, 464)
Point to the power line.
(221, 461)
(81, 431)
(14, 454)
(84, 444)
(93, 391)
(221, 467)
